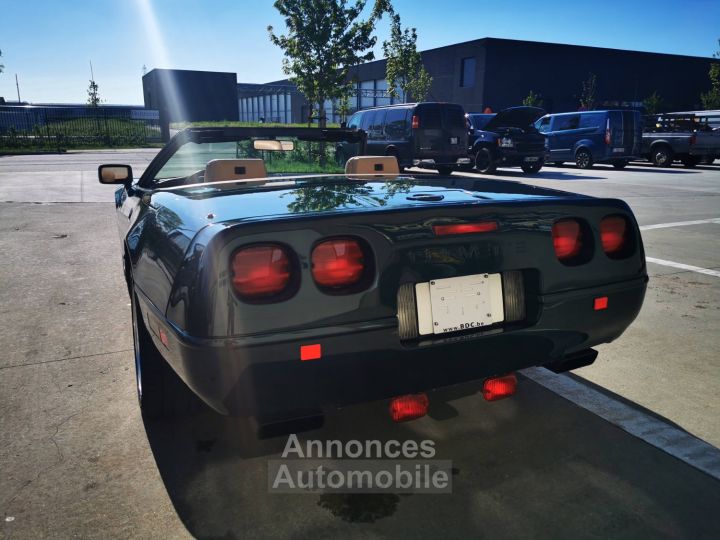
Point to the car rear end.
(623, 136)
(319, 311)
(439, 135)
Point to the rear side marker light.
(260, 271)
(409, 407)
(338, 262)
(465, 228)
(601, 303)
(614, 234)
(567, 238)
(497, 388)
(310, 352)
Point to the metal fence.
(60, 128)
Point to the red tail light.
(608, 134)
(499, 387)
(465, 228)
(260, 271)
(339, 262)
(567, 238)
(693, 138)
(409, 407)
(614, 234)
(415, 121)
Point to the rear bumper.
(264, 376)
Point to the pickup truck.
(686, 138)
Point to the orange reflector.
(409, 407)
(601, 303)
(163, 338)
(499, 387)
(310, 352)
(465, 228)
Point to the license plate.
(618, 150)
(506, 143)
(453, 140)
(531, 159)
(461, 303)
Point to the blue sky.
(49, 43)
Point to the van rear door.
(441, 133)
(625, 133)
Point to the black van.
(428, 135)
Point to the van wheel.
(583, 159)
(621, 164)
(662, 156)
(484, 162)
(161, 393)
(531, 169)
(444, 170)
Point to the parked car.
(590, 137)
(687, 138)
(427, 135)
(280, 295)
(507, 138)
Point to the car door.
(562, 134)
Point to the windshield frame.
(232, 134)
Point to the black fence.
(61, 128)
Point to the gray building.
(499, 73)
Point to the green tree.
(587, 94)
(324, 39)
(533, 100)
(404, 67)
(711, 99)
(654, 103)
(93, 95)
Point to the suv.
(428, 135)
(591, 137)
(507, 138)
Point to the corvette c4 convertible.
(271, 280)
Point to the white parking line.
(682, 266)
(679, 224)
(662, 435)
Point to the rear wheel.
(661, 156)
(532, 169)
(484, 162)
(583, 159)
(444, 170)
(620, 164)
(160, 391)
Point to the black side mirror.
(115, 174)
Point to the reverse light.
(409, 407)
(465, 228)
(614, 232)
(415, 124)
(567, 238)
(338, 263)
(260, 271)
(497, 388)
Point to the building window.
(467, 72)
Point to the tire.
(690, 162)
(161, 393)
(484, 161)
(444, 170)
(583, 159)
(620, 164)
(532, 169)
(661, 156)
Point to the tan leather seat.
(218, 170)
(386, 166)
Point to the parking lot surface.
(77, 459)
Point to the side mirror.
(115, 174)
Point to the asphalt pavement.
(77, 459)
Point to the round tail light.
(338, 263)
(614, 232)
(260, 271)
(567, 239)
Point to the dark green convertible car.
(271, 280)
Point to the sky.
(49, 44)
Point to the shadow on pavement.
(532, 466)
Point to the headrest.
(378, 165)
(234, 169)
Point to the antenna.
(18, 88)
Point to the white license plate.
(506, 143)
(531, 158)
(461, 303)
(618, 150)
